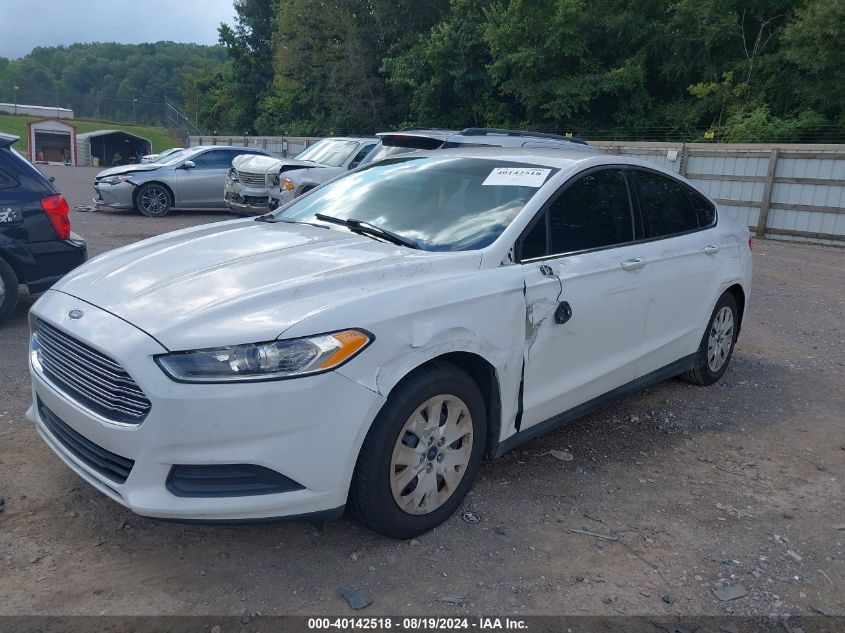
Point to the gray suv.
(190, 179)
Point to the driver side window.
(214, 159)
(592, 212)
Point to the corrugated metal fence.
(281, 145)
(784, 192)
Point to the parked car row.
(252, 181)
(369, 344)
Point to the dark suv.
(419, 138)
(36, 244)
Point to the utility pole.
(57, 101)
(134, 117)
(15, 90)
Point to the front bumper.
(119, 196)
(249, 200)
(306, 429)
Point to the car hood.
(126, 169)
(246, 281)
(257, 164)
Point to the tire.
(9, 290)
(428, 498)
(717, 345)
(153, 200)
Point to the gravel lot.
(692, 488)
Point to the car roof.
(8, 139)
(566, 160)
(489, 136)
(358, 139)
(547, 157)
(426, 132)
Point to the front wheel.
(421, 454)
(717, 345)
(153, 200)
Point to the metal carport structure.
(110, 147)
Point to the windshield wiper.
(371, 230)
(271, 219)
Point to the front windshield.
(329, 152)
(443, 203)
(169, 155)
(183, 154)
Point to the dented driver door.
(585, 308)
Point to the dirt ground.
(690, 488)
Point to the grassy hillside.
(158, 136)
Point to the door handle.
(633, 264)
(711, 249)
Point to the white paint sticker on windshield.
(517, 177)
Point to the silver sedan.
(190, 179)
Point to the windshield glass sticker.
(517, 177)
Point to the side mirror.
(188, 164)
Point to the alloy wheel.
(721, 339)
(154, 200)
(431, 454)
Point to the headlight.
(265, 361)
(115, 180)
(274, 180)
(287, 184)
(233, 174)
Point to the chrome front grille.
(90, 377)
(252, 179)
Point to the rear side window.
(6, 180)
(704, 209)
(665, 206)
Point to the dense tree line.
(116, 82)
(744, 69)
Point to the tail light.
(750, 243)
(56, 208)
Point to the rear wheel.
(9, 291)
(153, 200)
(421, 454)
(717, 344)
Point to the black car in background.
(36, 244)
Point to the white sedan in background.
(154, 158)
(372, 342)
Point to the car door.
(685, 257)
(201, 186)
(585, 294)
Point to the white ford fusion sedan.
(373, 341)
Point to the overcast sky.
(27, 24)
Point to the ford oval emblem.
(75, 314)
